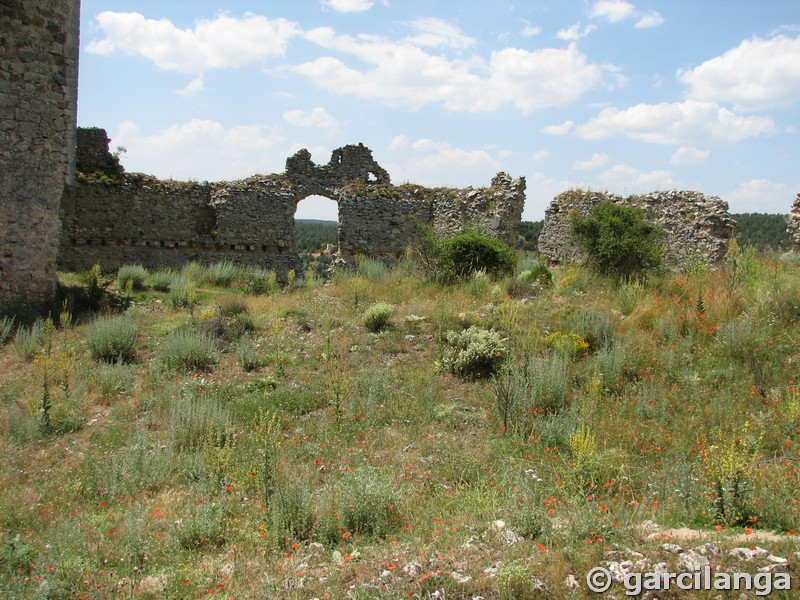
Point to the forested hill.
(311, 235)
(762, 231)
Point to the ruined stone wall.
(38, 100)
(695, 224)
(793, 224)
(382, 221)
(126, 218)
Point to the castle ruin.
(115, 218)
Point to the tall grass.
(188, 350)
(113, 339)
(132, 277)
(28, 339)
(6, 329)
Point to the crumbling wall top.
(350, 163)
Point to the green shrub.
(188, 350)
(203, 530)
(595, 328)
(371, 268)
(197, 420)
(376, 317)
(161, 280)
(131, 275)
(629, 294)
(111, 381)
(230, 306)
(369, 502)
(27, 339)
(183, 291)
(618, 240)
(549, 384)
(473, 353)
(514, 581)
(220, 273)
(478, 284)
(291, 509)
(112, 339)
(258, 281)
(6, 329)
(538, 274)
(248, 356)
(459, 257)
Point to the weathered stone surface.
(135, 218)
(38, 98)
(696, 225)
(793, 222)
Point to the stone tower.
(38, 108)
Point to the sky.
(623, 96)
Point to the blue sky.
(627, 96)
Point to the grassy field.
(226, 437)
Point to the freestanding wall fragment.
(38, 99)
(793, 222)
(697, 226)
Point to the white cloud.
(613, 10)
(531, 31)
(438, 32)
(562, 129)
(763, 196)
(573, 33)
(317, 117)
(650, 19)
(194, 87)
(756, 75)
(625, 179)
(399, 141)
(440, 163)
(540, 155)
(680, 123)
(403, 74)
(687, 156)
(597, 161)
(192, 150)
(348, 6)
(222, 42)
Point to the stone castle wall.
(38, 108)
(695, 224)
(793, 222)
(115, 218)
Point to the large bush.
(618, 240)
(460, 256)
(473, 353)
(376, 317)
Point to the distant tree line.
(762, 231)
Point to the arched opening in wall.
(316, 232)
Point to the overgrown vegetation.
(266, 430)
(459, 257)
(618, 240)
